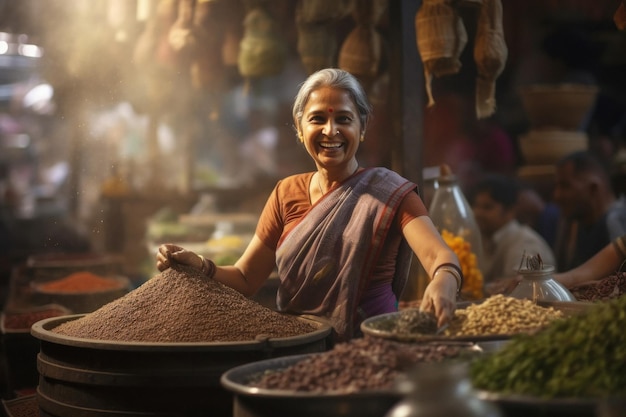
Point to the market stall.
(171, 123)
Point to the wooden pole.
(407, 91)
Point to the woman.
(604, 263)
(341, 236)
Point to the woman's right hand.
(169, 253)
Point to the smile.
(331, 145)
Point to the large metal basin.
(94, 378)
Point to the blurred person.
(505, 240)
(608, 260)
(586, 200)
(533, 210)
(341, 236)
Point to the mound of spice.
(23, 320)
(80, 282)
(607, 288)
(500, 314)
(182, 305)
(360, 364)
(582, 356)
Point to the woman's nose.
(330, 130)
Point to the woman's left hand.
(440, 297)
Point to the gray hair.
(333, 78)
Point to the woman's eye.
(344, 119)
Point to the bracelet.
(455, 271)
(208, 267)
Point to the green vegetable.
(580, 356)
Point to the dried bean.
(361, 364)
(182, 305)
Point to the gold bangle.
(454, 273)
(208, 267)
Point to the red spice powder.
(82, 281)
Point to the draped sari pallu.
(326, 261)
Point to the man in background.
(587, 202)
(505, 240)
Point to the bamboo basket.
(318, 11)
(441, 38)
(317, 46)
(262, 51)
(361, 52)
(490, 55)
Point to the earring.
(300, 137)
(362, 138)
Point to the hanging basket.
(317, 46)
(361, 52)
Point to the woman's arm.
(432, 252)
(599, 266)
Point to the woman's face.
(330, 127)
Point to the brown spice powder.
(182, 305)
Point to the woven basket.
(262, 51)
(369, 11)
(318, 11)
(317, 46)
(361, 52)
(441, 37)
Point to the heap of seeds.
(181, 305)
(500, 314)
(358, 365)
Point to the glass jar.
(454, 218)
(441, 390)
(540, 285)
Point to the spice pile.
(181, 305)
(23, 320)
(583, 356)
(607, 288)
(500, 314)
(80, 282)
(358, 365)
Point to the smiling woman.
(341, 237)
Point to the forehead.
(326, 98)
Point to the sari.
(326, 261)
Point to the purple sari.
(326, 261)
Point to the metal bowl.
(381, 325)
(251, 401)
(524, 405)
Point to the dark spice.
(24, 320)
(181, 305)
(415, 321)
(358, 365)
(22, 407)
